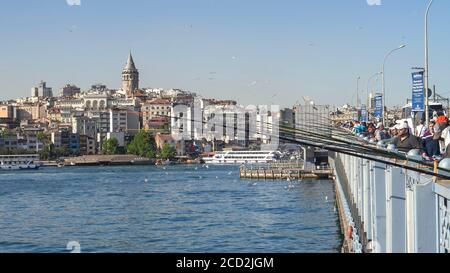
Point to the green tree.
(143, 144)
(46, 153)
(167, 152)
(110, 146)
(61, 152)
(5, 132)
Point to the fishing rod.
(356, 152)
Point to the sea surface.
(163, 209)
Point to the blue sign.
(363, 114)
(418, 93)
(378, 107)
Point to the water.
(156, 209)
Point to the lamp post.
(426, 75)
(368, 86)
(357, 92)
(384, 83)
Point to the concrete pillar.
(379, 207)
(395, 210)
(367, 199)
(421, 214)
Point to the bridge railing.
(393, 209)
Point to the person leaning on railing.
(405, 141)
(445, 137)
(431, 146)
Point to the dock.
(284, 171)
(108, 160)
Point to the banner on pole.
(418, 93)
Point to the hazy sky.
(253, 51)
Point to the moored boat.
(242, 157)
(19, 162)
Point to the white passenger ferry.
(19, 162)
(242, 157)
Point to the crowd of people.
(433, 140)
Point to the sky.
(252, 51)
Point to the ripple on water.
(178, 209)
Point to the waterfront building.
(87, 145)
(267, 127)
(74, 143)
(84, 126)
(313, 118)
(287, 124)
(130, 78)
(162, 139)
(60, 138)
(158, 124)
(31, 137)
(9, 142)
(102, 119)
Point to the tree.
(110, 146)
(167, 152)
(61, 152)
(5, 132)
(143, 144)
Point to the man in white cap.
(405, 141)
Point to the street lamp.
(427, 116)
(368, 86)
(357, 92)
(383, 81)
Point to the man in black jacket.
(406, 142)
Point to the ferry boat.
(242, 157)
(19, 162)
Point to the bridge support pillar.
(395, 210)
(421, 214)
(378, 179)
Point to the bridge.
(390, 206)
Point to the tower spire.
(130, 77)
(130, 63)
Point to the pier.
(284, 171)
(106, 160)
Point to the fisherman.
(404, 140)
(380, 133)
(359, 128)
(420, 129)
(393, 132)
(431, 145)
(441, 133)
